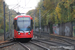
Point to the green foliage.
(6, 15)
(31, 13)
(1, 31)
(61, 11)
(1, 14)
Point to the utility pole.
(34, 20)
(9, 21)
(40, 21)
(9, 24)
(4, 20)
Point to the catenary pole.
(9, 24)
(40, 21)
(34, 20)
(4, 20)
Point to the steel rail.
(48, 42)
(51, 44)
(56, 36)
(64, 39)
(69, 41)
(24, 46)
(40, 46)
(7, 44)
(9, 41)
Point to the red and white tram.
(23, 27)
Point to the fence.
(65, 29)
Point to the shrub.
(1, 31)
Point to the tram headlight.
(19, 33)
(29, 33)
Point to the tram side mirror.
(13, 22)
(29, 28)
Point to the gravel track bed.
(13, 47)
(50, 46)
(52, 39)
(32, 46)
(55, 38)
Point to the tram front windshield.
(23, 24)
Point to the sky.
(22, 6)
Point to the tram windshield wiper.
(22, 30)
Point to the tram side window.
(15, 24)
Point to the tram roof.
(22, 16)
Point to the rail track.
(45, 48)
(24, 46)
(5, 44)
(66, 40)
(39, 44)
(33, 46)
(52, 43)
(42, 44)
(70, 41)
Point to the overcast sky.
(22, 6)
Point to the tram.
(23, 27)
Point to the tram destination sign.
(23, 18)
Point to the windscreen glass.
(24, 24)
